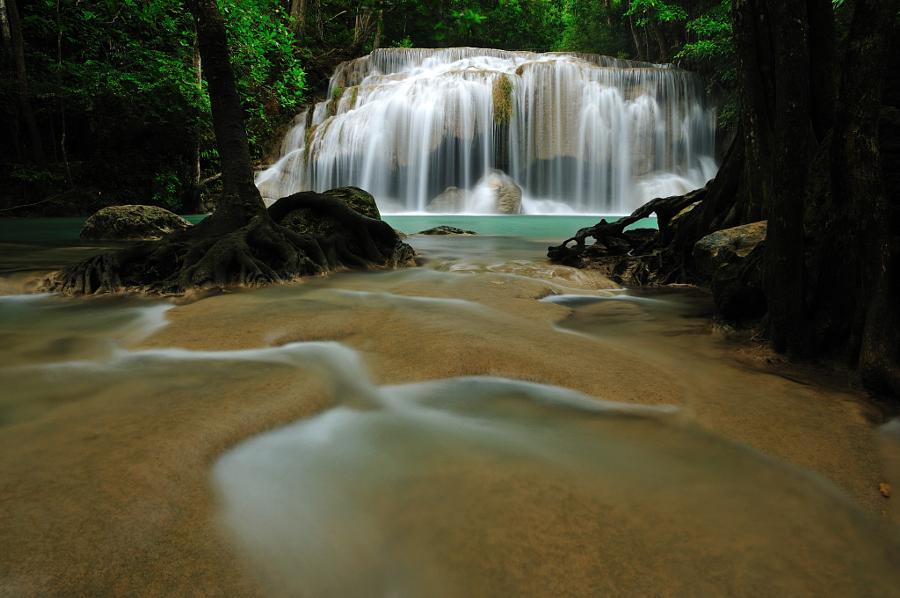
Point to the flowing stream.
(577, 133)
(484, 425)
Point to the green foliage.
(117, 79)
(270, 78)
(655, 11)
(590, 27)
(712, 54)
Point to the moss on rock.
(132, 223)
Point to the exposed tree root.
(261, 252)
(611, 238)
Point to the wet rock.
(446, 230)
(307, 221)
(731, 262)
(505, 194)
(321, 220)
(452, 201)
(132, 223)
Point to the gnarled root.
(260, 252)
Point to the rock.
(505, 195)
(446, 230)
(885, 489)
(358, 199)
(495, 193)
(452, 201)
(731, 262)
(724, 247)
(309, 222)
(132, 223)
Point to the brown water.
(486, 425)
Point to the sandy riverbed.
(108, 493)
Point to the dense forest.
(103, 102)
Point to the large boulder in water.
(314, 223)
(499, 192)
(495, 193)
(319, 221)
(731, 261)
(132, 223)
(452, 201)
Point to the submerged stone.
(452, 200)
(446, 230)
(132, 223)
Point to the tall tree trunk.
(298, 14)
(240, 197)
(858, 188)
(366, 23)
(18, 47)
(823, 66)
(638, 46)
(661, 40)
(784, 257)
(376, 41)
(753, 44)
(4, 28)
(193, 195)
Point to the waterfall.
(575, 132)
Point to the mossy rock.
(307, 221)
(132, 223)
(446, 230)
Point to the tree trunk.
(192, 201)
(298, 14)
(638, 46)
(240, 197)
(366, 23)
(4, 28)
(18, 47)
(823, 66)
(661, 40)
(858, 189)
(753, 44)
(376, 41)
(784, 257)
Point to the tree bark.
(638, 46)
(661, 40)
(366, 23)
(823, 66)
(784, 257)
(756, 83)
(192, 198)
(18, 47)
(298, 14)
(376, 41)
(858, 189)
(4, 27)
(240, 197)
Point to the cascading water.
(577, 133)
